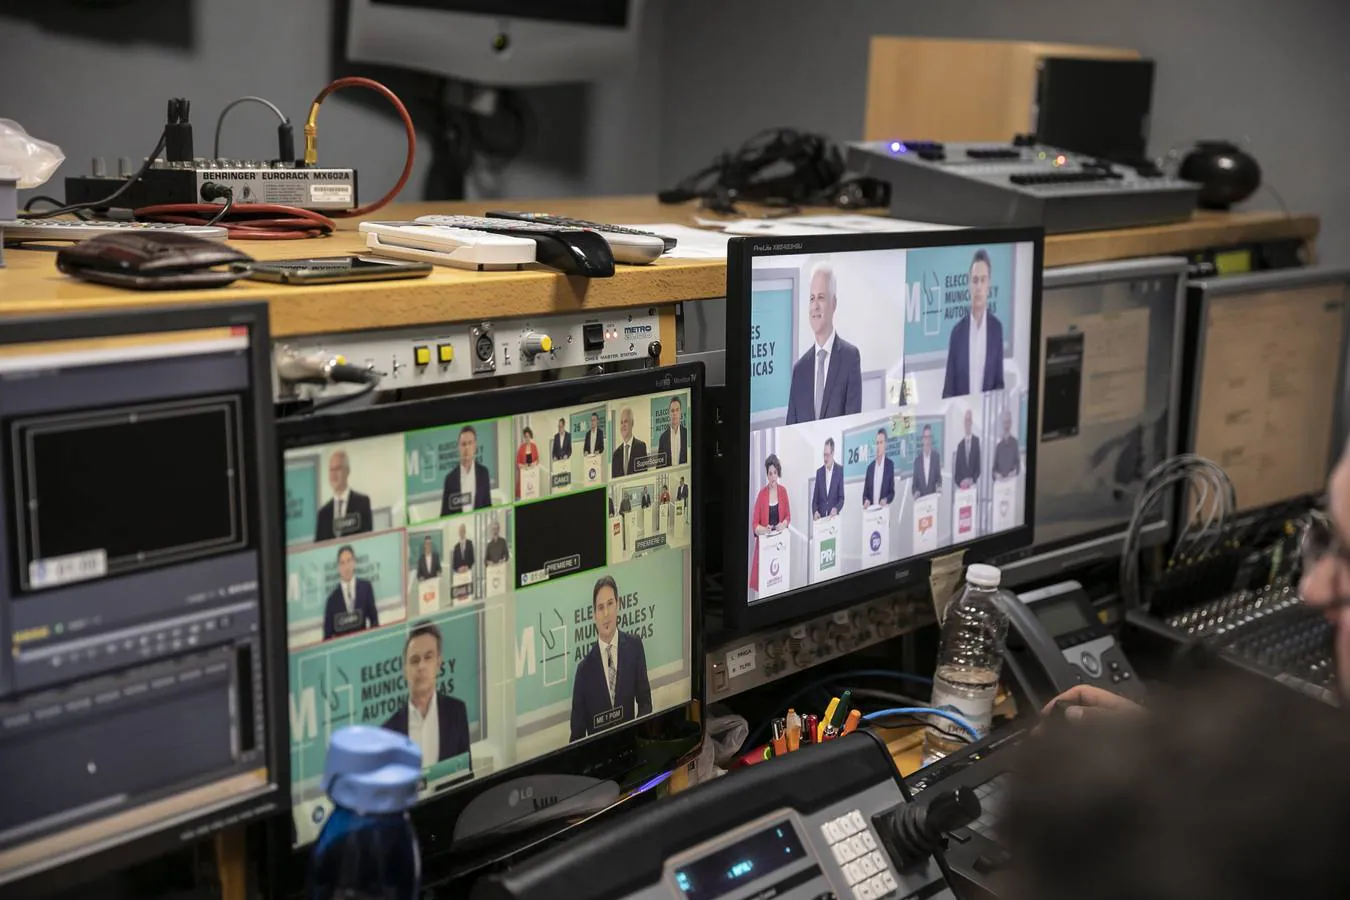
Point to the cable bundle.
(1208, 503)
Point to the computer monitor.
(536, 530)
(838, 494)
(1110, 353)
(141, 702)
(1095, 106)
(1266, 384)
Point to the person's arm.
(784, 510)
(643, 689)
(459, 729)
(580, 721)
(373, 614)
(328, 619)
(468, 554)
(445, 495)
(975, 462)
(853, 387)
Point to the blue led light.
(897, 147)
(740, 869)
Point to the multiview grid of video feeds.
(888, 407)
(493, 589)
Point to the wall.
(94, 79)
(1273, 72)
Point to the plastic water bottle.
(368, 848)
(970, 656)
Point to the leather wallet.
(159, 260)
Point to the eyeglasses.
(1320, 539)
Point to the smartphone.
(332, 269)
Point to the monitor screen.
(138, 587)
(499, 576)
(847, 485)
(1109, 352)
(1267, 393)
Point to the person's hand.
(867, 504)
(1085, 701)
(815, 515)
(760, 529)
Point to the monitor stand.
(522, 804)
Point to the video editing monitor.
(1266, 382)
(880, 391)
(511, 578)
(1110, 352)
(141, 681)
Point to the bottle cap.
(983, 576)
(372, 770)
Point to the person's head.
(829, 452)
(346, 560)
(462, 532)
(339, 467)
(527, 434)
(422, 660)
(496, 528)
(626, 423)
(970, 422)
(1007, 423)
(823, 301)
(1174, 805)
(675, 410)
(927, 437)
(881, 445)
(773, 469)
(595, 421)
(1326, 563)
(681, 479)
(468, 445)
(426, 545)
(605, 605)
(562, 426)
(980, 270)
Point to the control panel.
(828, 822)
(757, 659)
(445, 354)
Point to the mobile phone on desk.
(332, 269)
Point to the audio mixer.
(1022, 183)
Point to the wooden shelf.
(31, 285)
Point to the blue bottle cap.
(372, 770)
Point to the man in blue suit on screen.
(611, 686)
(879, 485)
(975, 352)
(828, 497)
(827, 380)
(351, 605)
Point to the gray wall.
(1277, 73)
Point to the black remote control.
(574, 251)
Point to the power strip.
(754, 660)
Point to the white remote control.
(446, 246)
(16, 230)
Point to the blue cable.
(926, 710)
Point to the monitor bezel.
(845, 590)
(165, 836)
(435, 817)
(1055, 558)
(1200, 294)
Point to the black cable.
(220, 120)
(368, 383)
(224, 210)
(108, 200)
(43, 198)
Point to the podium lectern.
(529, 482)
(593, 469)
(963, 515)
(926, 524)
(461, 587)
(775, 563)
(876, 535)
(1005, 502)
(496, 579)
(825, 556)
(428, 596)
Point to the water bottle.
(368, 848)
(970, 656)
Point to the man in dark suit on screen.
(827, 379)
(975, 349)
(611, 685)
(351, 605)
(497, 551)
(630, 449)
(468, 486)
(927, 467)
(349, 511)
(879, 485)
(437, 723)
(1007, 455)
(674, 442)
(562, 442)
(429, 562)
(966, 471)
(828, 497)
(595, 438)
(462, 558)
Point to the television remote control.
(463, 248)
(18, 230)
(573, 251)
(630, 245)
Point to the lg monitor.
(141, 684)
(880, 388)
(1110, 351)
(512, 579)
(1266, 386)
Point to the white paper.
(694, 243)
(857, 222)
(741, 661)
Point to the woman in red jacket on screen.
(772, 512)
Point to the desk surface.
(31, 284)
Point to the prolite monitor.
(142, 679)
(881, 388)
(1266, 386)
(1110, 353)
(511, 578)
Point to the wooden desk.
(32, 285)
